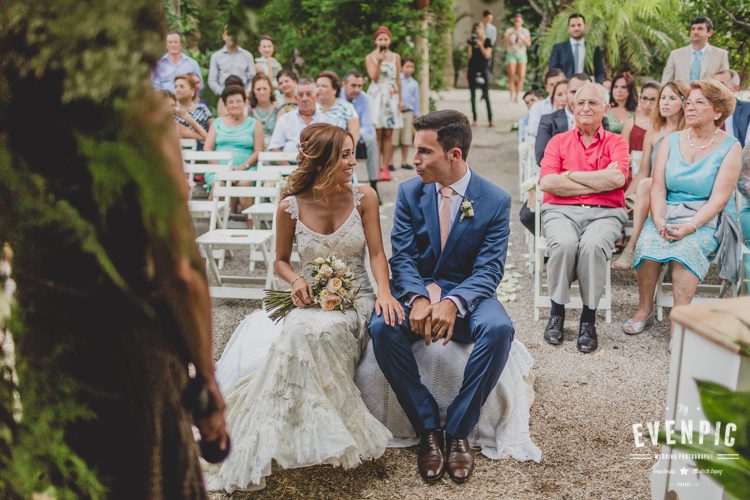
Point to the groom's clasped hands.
(433, 321)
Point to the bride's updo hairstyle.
(320, 147)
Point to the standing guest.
(670, 118)
(561, 120)
(560, 95)
(384, 68)
(352, 92)
(695, 176)
(479, 51)
(266, 63)
(583, 175)
(287, 91)
(173, 63)
(489, 29)
(404, 137)
(289, 126)
(529, 98)
(699, 60)
(236, 132)
(635, 128)
(335, 111)
(230, 60)
(195, 119)
(737, 123)
(544, 106)
(623, 101)
(607, 83)
(570, 55)
(263, 104)
(517, 39)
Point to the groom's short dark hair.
(453, 129)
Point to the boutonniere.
(467, 210)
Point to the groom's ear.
(454, 154)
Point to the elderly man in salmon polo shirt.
(583, 174)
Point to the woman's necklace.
(263, 116)
(690, 140)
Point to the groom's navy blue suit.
(470, 268)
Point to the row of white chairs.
(263, 187)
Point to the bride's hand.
(302, 295)
(391, 308)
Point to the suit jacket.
(741, 118)
(562, 57)
(678, 64)
(472, 263)
(549, 126)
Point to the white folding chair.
(188, 144)
(542, 300)
(204, 162)
(257, 242)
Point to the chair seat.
(235, 237)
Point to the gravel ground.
(585, 405)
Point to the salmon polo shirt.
(567, 152)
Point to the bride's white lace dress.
(289, 389)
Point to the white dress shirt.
(571, 118)
(459, 193)
(538, 109)
(288, 129)
(581, 53)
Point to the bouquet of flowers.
(332, 287)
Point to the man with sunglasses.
(583, 175)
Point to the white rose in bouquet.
(334, 285)
(325, 271)
(319, 260)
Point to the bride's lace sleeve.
(744, 182)
(292, 209)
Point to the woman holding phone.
(384, 70)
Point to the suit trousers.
(580, 241)
(371, 143)
(488, 327)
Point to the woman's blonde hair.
(718, 96)
(682, 89)
(320, 148)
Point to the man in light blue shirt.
(230, 60)
(352, 92)
(173, 63)
(410, 95)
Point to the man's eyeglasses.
(590, 103)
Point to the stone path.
(585, 405)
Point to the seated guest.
(335, 111)
(529, 98)
(583, 175)
(195, 119)
(198, 87)
(263, 104)
(670, 118)
(232, 80)
(287, 92)
(561, 120)
(290, 125)
(560, 95)
(743, 186)
(544, 106)
(635, 128)
(694, 178)
(236, 132)
(737, 123)
(623, 101)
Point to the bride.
(299, 406)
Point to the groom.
(450, 237)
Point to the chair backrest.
(189, 144)
(276, 157)
(207, 157)
(224, 190)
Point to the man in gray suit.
(699, 60)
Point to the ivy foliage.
(76, 147)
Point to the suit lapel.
(428, 204)
(473, 193)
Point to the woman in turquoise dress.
(236, 132)
(693, 182)
(743, 186)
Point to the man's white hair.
(305, 82)
(603, 92)
(734, 77)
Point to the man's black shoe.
(553, 332)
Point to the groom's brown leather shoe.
(460, 460)
(431, 457)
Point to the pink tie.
(444, 215)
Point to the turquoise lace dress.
(686, 182)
